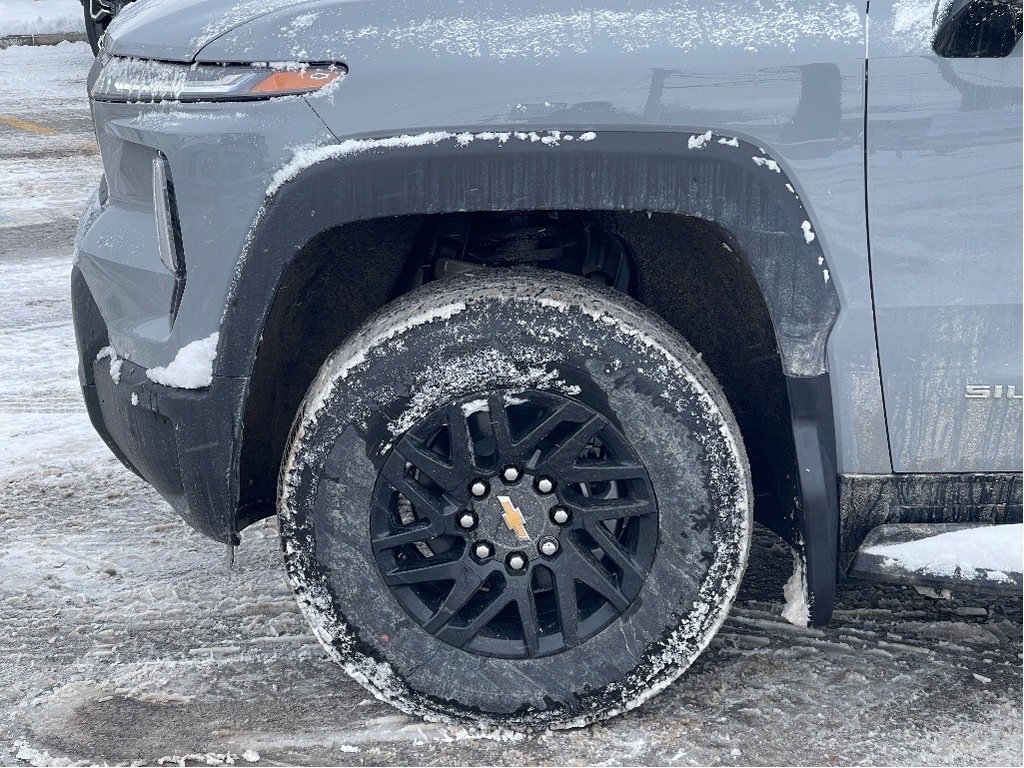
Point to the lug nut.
(467, 520)
(482, 550)
(548, 546)
(516, 561)
(545, 484)
(478, 488)
(511, 474)
(559, 515)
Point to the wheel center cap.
(515, 515)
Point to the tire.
(93, 30)
(382, 527)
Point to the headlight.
(125, 79)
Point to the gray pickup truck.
(518, 315)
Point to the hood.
(433, 32)
(176, 30)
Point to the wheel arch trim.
(736, 185)
(725, 180)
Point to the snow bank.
(191, 368)
(40, 17)
(998, 548)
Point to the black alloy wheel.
(514, 525)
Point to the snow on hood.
(176, 30)
(421, 30)
(335, 30)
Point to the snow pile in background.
(998, 548)
(191, 368)
(40, 17)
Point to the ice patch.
(698, 141)
(808, 232)
(733, 142)
(34, 756)
(191, 368)
(994, 548)
(209, 758)
(797, 610)
(305, 157)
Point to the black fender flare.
(725, 180)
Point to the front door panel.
(944, 212)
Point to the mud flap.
(817, 511)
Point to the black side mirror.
(976, 28)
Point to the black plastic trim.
(617, 171)
(184, 443)
(869, 501)
(817, 512)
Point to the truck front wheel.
(515, 498)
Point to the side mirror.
(976, 28)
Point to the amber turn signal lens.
(295, 81)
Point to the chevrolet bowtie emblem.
(513, 518)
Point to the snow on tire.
(515, 498)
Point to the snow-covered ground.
(960, 553)
(48, 158)
(127, 639)
(39, 17)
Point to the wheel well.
(688, 270)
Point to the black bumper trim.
(182, 442)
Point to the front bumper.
(182, 442)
